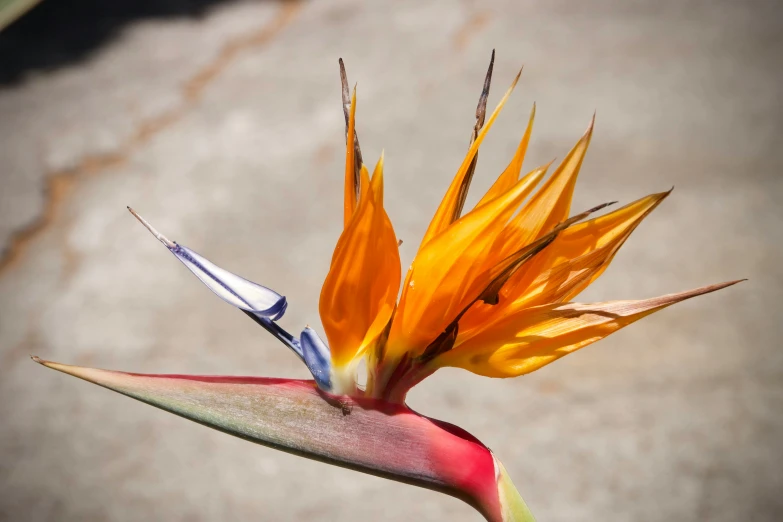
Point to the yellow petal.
(577, 257)
(510, 176)
(497, 252)
(534, 337)
(377, 180)
(550, 205)
(349, 194)
(580, 255)
(445, 268)
(444, 216)
(360, 291)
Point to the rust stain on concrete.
(60, 184)
(195, 86)
(475, 23)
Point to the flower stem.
(512, 506)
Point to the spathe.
(376, 437)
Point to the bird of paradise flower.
(489, 291)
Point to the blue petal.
(317, 358)
(238, 291)
(233, 289)
(275, 329)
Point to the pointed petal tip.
(706, 289)
(491, 64)
(579, 217)
(660, 196)
(44, 362)
(60, 367)
(511, 88)
(516, 78)
(599, 207)
(160, 237)
(346, 94)
(590, 127)
(602, 206)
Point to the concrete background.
(221, 123)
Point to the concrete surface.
(225, 131)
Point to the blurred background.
(221, 122)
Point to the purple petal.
(233, 289)
(280, 334)
(317, 358)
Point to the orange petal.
(445, 268)
(349, 194)
(576, 258)
(444, 216)
(534, 337)
(510, 176)
(360, 291)
(580, 255)
(377, 180)
(550, 205)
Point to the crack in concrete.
(60, 184)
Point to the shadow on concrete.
(60, 32)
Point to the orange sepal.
(525, 341)
(444, 216)
(446, 269)
(510, 176)
(360, 291)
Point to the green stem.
(513, 507)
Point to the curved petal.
(445, 268)
(317, 358)
(511, 175)
(361, 288)
(549, 206)
(376, 182)
(350, 190)
(525, 341)
(577, 257)
(444, 216)
(233, 289)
